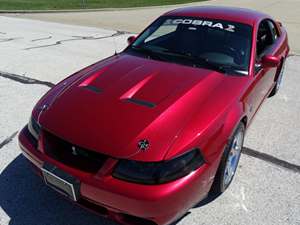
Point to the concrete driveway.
(34, 55)
(135, 20)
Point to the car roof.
(240, 15)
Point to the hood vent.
(141, 102)
(92, 88)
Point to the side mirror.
(131, 39)
(270, 61)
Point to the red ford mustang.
(144, 135)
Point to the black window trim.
(257, 66)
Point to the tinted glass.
(273, 30)
(264, 38)
(216, 42)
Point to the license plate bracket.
(61, 181)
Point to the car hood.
(126, 99)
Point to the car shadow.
(210, 198)
(205, 201)
(27, 201)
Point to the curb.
(96, 10)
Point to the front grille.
(72, 155)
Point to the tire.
(223, 179)
(278, 81)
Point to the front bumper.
(125, 202)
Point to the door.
(264, 77)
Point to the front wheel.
(229, 161)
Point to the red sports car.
(144, 135)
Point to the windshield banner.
(227, 27)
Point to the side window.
(274, 30)
(264, 38)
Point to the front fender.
(209, 135)
(235, 115)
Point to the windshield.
(216, 44)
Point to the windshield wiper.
(199, 61)
(214, 66)
(152, 54)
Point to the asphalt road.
(34, 55)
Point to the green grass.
(79, 4)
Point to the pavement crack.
(8, 139)
(78, 38)
(271, 159)
(10, 39)
(41, 39)
(25, 80)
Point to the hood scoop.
(87, 82)
(129, 96)
(140, 102)
(92, 88)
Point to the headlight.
(158, 172)
(34, 128)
